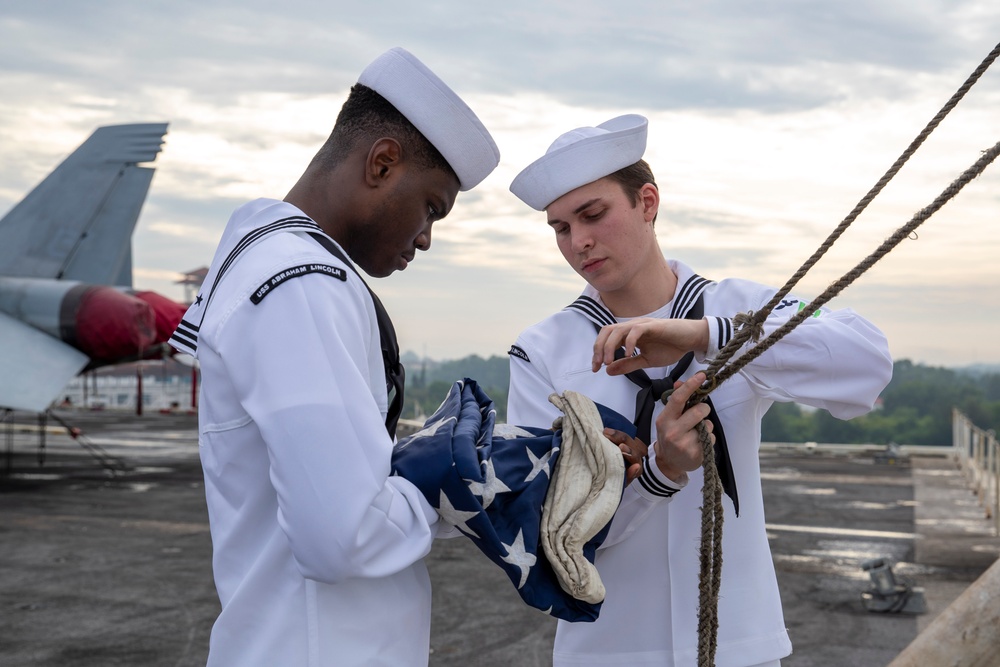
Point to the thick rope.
(711, 511)
(750, 327)
(710, 574)
(756, 319)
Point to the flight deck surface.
(115, 569)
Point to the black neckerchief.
(690, 294)
(395, 375)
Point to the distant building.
(192, 281)
(164, 384)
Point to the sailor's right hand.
(678, 446)
(648, 343)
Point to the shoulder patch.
(802, 306)
(294, 272)
(515, 351)
(786, 303)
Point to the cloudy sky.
(769, 120)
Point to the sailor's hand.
(633, 450)
(678, 447)
(659, 343)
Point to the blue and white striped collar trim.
(185, 337)
(689, 288)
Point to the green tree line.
(428, 382)
(914, 409)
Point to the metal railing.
(978, 454)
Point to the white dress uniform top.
(649, 564)
(317, 550)
(321, 566)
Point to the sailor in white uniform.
(317, 550)
(601, 202)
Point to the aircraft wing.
(77, 223)
(34, 366)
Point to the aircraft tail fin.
(77, 223)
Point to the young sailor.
(601, 201)
(317, 550)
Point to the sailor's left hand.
(678, 448)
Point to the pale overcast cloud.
(768, 122)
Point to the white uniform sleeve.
(835, 360)
(528, 395)
(528, 405)
(300, 362)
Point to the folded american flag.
(490, 481)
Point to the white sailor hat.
(579, 157)
(434, 109)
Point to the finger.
(598, 357)
(608, 340)
(618, 339)
(632, 473)
(615, 436)
(633, 467)
(633, 451)
(687, 420)
(681, 393)
(633, 337)
(626, 364)
(666, 395)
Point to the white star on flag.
(431, 429)
(426, 432)
(510, 431)
(539, 463)
(453, 516)
(491, 487)
(519, 558)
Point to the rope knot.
(753, 321)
